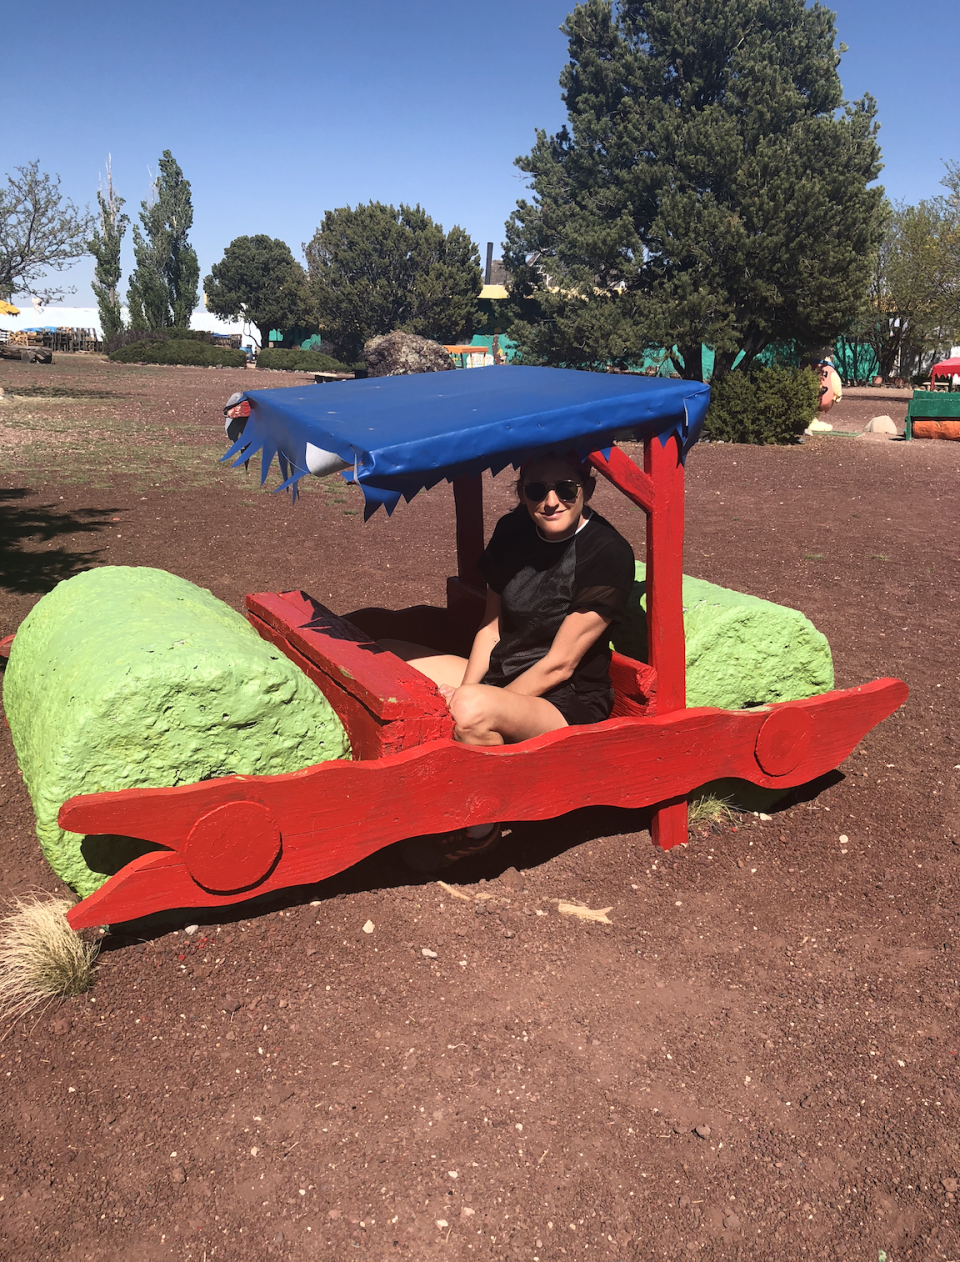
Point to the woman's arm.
(484, 641)
(578, 632)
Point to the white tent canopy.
(31, 317)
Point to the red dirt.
(282, 1084)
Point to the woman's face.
(555, 517)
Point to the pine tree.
(710, 186)
(164, 285)
(104, 245)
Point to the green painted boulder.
(127, 677)
(741, 650)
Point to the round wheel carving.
(783, 741)
(232, 847)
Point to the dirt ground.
(757, 1058)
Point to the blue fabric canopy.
(401, 435)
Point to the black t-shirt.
(540, 582)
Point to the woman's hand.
(446, 691)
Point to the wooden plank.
(665, 574)
(626, 477)
(332, 815)
(468, 497)
(386, 686)
(634, 686)
(665, 636)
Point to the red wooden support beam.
(625, 476)
(663, 464)
(468, 497)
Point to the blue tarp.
(402, 435)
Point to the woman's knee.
(470, 707)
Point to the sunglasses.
(567, 490)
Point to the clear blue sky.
(278, 113)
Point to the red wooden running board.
(232, 838)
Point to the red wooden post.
(668, 826)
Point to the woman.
(558, 575)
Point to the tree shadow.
(28, 570)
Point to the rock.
(740, 650)
(949, 1185)
(191, 930)
(369, 927)
(430, 955)
(702, 1132)
(126, 677)
(230, 1004)
(399, 354)
(882, 425)
(178, 1175)
(467, 1212)
(731, 1222)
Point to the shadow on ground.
(26, 569)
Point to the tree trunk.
(692, 355)
(264, 331)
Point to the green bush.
(765, 406)
(179, 352)
(126, 337)
(300, 361)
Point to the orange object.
(937, 429)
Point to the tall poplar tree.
(164, 285)
(711, 185)
(104, 245)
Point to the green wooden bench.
(931, 405)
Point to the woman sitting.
(558, 575)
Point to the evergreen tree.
(258, 280)
(104, 245)
(711, 186)
(163, 286)
(377, 269)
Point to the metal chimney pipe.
(489, 268)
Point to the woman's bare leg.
(485, 715)
(445, 669)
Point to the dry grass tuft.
(709, 811)
(41, 957)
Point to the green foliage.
(104, 245)
(710, 186)
(40, 232)
(766, 406)
(126, 337)
(179, 351)
(377, 269)
(300, 361)
(163, 286)
(258, 280)
(915, 293)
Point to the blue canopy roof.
(401, 435)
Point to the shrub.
(41, 957)
(126, 337)
(179, 351)
(300, 361)
(766, 406)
